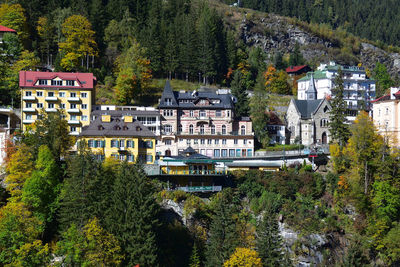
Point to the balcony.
(28, 121)
(74, 122)
(51, 98)
(29, 109)
(51, 110)
(122, 149)
(73, 99)
(212, 188)
(29, 98)
(74, 133)
(73, 110)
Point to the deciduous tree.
(79, 42)
(244, 257)
(19, 169)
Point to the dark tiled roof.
(117, 127)
(274, 119)
(225, 100)
(126, 112)
(168, 93)
(307, 107)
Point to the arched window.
(212, 129)
(202, 129)
(167, 128)
(223, 129)
(191, 129)
(243, 130)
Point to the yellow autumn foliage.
(243, 257)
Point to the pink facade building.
(206, 122)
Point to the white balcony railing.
(51, 98)
(29, 109)
(29, 98)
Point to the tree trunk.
(366, 178)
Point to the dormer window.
(168, 101)
(117, 128)
(56, 82)
(70, 82)
(138, 129)
(125, 128)
(100, 127)
(42, 82)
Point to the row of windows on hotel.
(202, 113)
(57, 82)
(225, 153)
(127, 157)
(201, 129)
(52, 105)
(52, 94)
(203, 141)
(72, 117)
(119, 143)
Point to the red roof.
(5, 29)
(382, 98)
(295, 68)
(29, 79)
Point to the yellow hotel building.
(120, 136)
(71, 92)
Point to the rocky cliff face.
(274, 33)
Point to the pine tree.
(269, 242)
(238, 89)
(296, 58)
(133, 215)
(80, 190)
(194, 258)
(278, 61)
(223, 234)
(338, 127)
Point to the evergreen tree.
(338, 127)
(154, 37)
(171, 51)
(223, 234)
(383, 80)
(238, 89)
(194, 258)
(278, 61)
(269, 242)
(133, 215)
(296, 58)
(188, 46)
(81, 190)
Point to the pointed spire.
(311, 92)
(168, 98)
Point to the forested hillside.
(373, 20)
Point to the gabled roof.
(307, 107)
(189, 99)
(116, 127)
(6, 29)
(293, 69)
(29, 79)
(168, 93)
(274, 119)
